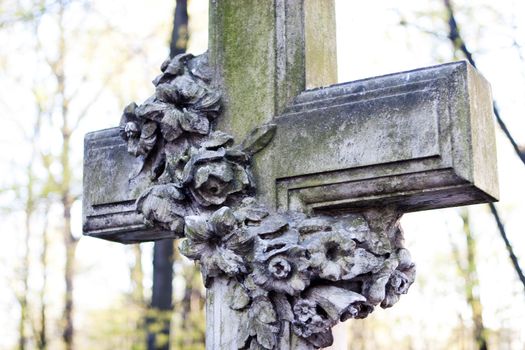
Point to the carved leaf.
(238, 297)
(169, 124)
(167, 93)
(152, 109)
(374, 288)
(322, 340)
(282, 306)
(229, 262)
(263, 319)
(271, 227)
(162, 205)
(223, 221)
(210, 103)
(192, 122)
(199, 68)
(218, 139)
(363, 262)
(251, 215)
(336, 302)
(196, 228)
(192, 250)
(258, 139)
(315, 225)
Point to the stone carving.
(311, 271)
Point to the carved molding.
(312, 271)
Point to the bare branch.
(459, 43)
(503, 233)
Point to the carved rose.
(283, 273)
(212, 177)
(217, 243)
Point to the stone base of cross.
(289, 199)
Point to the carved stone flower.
(334, 256)
(162, 205)
(212, 177)
(331, 254)
(140, 134)
(307, 320)
(284, 273)
(173, 119)
(400, 280)
(183, 85)
(217, 243)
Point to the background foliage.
(69, 66)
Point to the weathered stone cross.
(296, 227)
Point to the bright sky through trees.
(371, 41)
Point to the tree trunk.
(179, 34)
(22, 297)
(192, 309)
(161, 299)
(137, 276)
(42, 332)
(69, 272)
(472, 286)
(29, 209)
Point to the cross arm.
(112, 184)
(421, 139)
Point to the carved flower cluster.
(312, 272)
(190, 166)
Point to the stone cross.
(289, 199)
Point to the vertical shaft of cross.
(263, 53)
(266, 52)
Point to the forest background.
(70, 66)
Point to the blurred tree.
(162, 290)
(459, 45)
(472, 286)
(64, 183)
(29, 199)
(41, 333)
(137, 298)
(137, 276)
(59, 110)
(467, 266)
(190, 327)
(30, 194)
(114, 328)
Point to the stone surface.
(111, 187)
(410, 139)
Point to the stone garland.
(310, 271)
